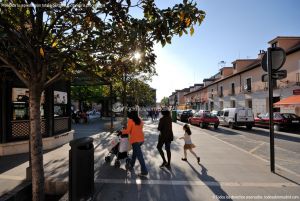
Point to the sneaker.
(143, 174)
(163, 164)
(198, 159)
(184, 159)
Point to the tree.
(141, 94)
(40, 43)
(164, 101)
(87, 94)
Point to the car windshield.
(289, 116)
(208, 115)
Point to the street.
(256, 142)
(227, 171)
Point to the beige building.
(241, 84)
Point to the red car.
(204, 119)
(281, 121)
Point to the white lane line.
(195, 183)
(257, 147)
(256, 156)
(10, 177)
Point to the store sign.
(296, 92)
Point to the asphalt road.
(256, 141)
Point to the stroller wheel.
(117, 164)
(107, 159)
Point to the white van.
(234, 117)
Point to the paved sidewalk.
(56, 162)
(225, 171)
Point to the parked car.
(185, 115)
(179, 112)
(204, 119)
(234, 117)
(281, 121)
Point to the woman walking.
(136, 138)
(165, 137)
(188, 145)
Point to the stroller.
(119, 147)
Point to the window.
(232, 103)
(234, 66)
(60, 104)
(248, 84)
(249, 103)
(226, 113)
(221, 105)
(221, 91)
(274, 44)
(232, 89)
(211, 105)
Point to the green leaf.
(192, 31)
(180, 33)
(163, 43)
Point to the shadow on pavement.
(287, 178)
(216, 188)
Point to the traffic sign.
(278, 59)
(279, 75)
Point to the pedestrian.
(188, 145)
(136, 138)
(165, 137)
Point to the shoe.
(163, 164)
(143, 174)
(184, 159)
(198, 159)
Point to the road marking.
(257, 147)
(10, 177)
(195, 183)
(256, 156)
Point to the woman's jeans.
(137, 153)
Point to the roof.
(289, 101)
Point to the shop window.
(20, 104)
(60, 104)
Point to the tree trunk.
(36, 145)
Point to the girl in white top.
(188, 145)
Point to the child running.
(188, 145)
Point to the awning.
(289, 101)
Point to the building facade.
(240, 85)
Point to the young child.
(188, 145)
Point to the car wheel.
(216, 126)
(249, 127)
(201, 125)
(276, 127)
(231, 125)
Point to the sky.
(232, 29)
